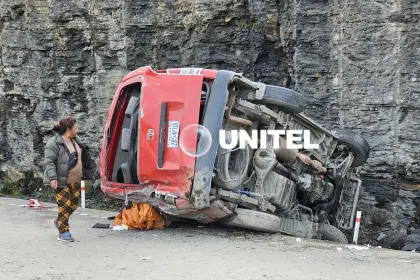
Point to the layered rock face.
(357, 62)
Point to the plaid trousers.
(67, 201)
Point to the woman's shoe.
(65, 237)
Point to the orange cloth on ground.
(140, 216)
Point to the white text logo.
(256, 142)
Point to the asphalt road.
(29, 250)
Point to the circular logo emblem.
(150, 134)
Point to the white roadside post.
(357, 227)
(83, 193)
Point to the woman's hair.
(62, 126)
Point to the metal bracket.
(246, 201)
(262, 109)
(259, 93)
(264, 205)
(167, 197)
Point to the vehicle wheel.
(232, 166)
(357, 144)
(330, 233)
(289, 101)
(255, 220)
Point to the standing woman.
(67, 162)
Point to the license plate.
(173, 132)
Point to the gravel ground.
(29, 250)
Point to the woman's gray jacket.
(56, 161)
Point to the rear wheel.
(288, 101)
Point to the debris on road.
(120, 228)
(99, 225)
(412, 247)
(34, 203)
(404, 261)
(358, 247)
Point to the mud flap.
(212, 120)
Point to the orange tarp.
(140, 216)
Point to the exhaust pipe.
(230, 103)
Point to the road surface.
(29, 250)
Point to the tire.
(358, 145)
(232, 166)
(330, 233)
(289, 101)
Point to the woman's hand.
(54, 184)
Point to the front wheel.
(357, 144)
